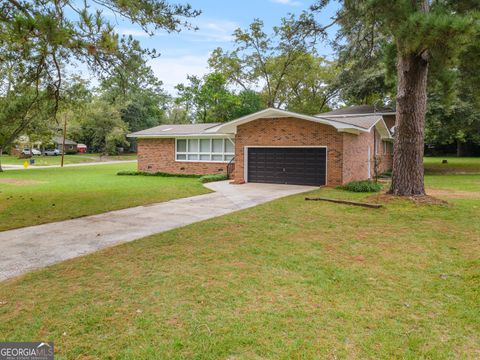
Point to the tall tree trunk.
(1, 153)
(407, 175)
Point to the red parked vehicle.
(82, 148)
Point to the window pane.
(228, 157)
(181, 157)
(192, 157)
(192, 145)
(205, 157)
(217, 157)
(181, 145)
(205, 145)
(228, 146)
(217, 145)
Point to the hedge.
(161, 174)
(362, 186)
(214, 177)
(203, 179)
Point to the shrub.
(161, 174)
(214, 177)
(362, 186)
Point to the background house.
(70, 145)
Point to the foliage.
(134, 89)
(141, 113)
(39, 39)
(310, 86)
(208, 99)
(262, 60)
(213, 177)
(415, 32)
(101, 128)
(454, 101)
(362, 186)
(160, 174)
(23, 109)
(367, 55)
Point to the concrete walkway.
(24, 249)
(20, 167)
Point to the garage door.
(300, 166)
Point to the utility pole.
(64, 136)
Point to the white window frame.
(210, 154)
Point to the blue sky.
(186, 53)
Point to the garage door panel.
(306, 166)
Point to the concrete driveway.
(24, 249)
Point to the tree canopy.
(40, 39)
(413, 35)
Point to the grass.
(30, 197)
(461, 182)
(69, 159)
(290, 279)
(433, 165)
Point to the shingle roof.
(363, 121)
(172, 130)
(358, 110)
(352, 123)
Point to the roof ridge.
(349, 123)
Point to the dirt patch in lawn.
(454, 194)
(19, 181)
(423, 200)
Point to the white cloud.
(209, 30)
(133, 32)
(213, 30)
(174, 70)
(287, 2)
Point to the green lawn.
(69, 159)
(29, 197)
(290, 279)
(433, 165)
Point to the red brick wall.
(290, 132)
(355, 156)
(158, 155)
(385, 160)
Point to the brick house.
(276, 146)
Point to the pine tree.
(417, 30)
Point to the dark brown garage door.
(300, 166)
